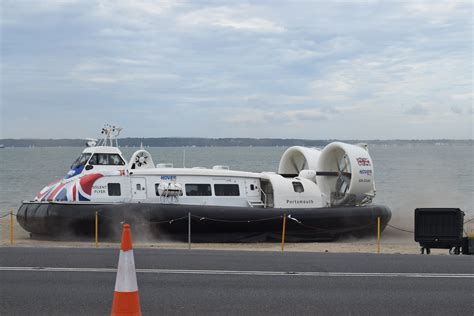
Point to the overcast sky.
(299, 69)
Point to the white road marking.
(254, 273)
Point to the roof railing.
(111, 133)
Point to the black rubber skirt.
(206, 223)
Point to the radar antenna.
(111, 133)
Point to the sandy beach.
(392, 242)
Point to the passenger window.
(226, 189)
(298, 187)
(114, 189)
(198, 190)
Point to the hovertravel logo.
(168, 178)
(365, 172)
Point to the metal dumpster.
(440, 228)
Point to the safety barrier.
(283, 231)
(190, 216)
(11, 224)
(284, 218)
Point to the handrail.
(265, 197)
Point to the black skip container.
(439, 228)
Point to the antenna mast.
(111, 133)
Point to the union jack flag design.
(363, 162)
(83, 186)
(77, 190)
(44, 193)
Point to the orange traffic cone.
(126, 300)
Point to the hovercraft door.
(138, 188)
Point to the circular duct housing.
(141, 159)
(345, 174)
(297, 158)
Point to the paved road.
(198, 282)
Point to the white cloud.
(437, 12)
(16, 12)
(292, 55)
(304, 50)
(457, 109)
(336, 63)
(333, 88)
(417, 109)
(238, 18)
(131, 13)
(463, 96)
(461, 109)
(110, 72)
(259, 116)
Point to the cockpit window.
(107, 159)
(81, 161)
(116, 160)
(93, 160)
(102, 159)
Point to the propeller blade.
(344, 159)
(343, 185)
(347, 181)
(347, 188)
(339, 185)
(338, 166)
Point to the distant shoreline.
(223, 142)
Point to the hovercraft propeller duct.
(296, 159)
(141, 159)
(345, 174)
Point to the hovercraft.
(322, 193)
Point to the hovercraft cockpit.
(106, 156)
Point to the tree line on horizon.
(217, 142)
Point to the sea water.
(406, 176)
